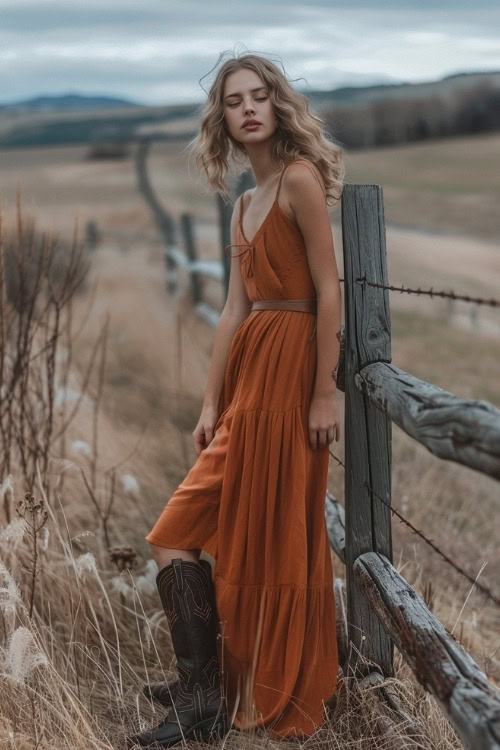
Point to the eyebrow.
(237, 93)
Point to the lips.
(251, 124)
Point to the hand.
(203, 433)
(324, 422)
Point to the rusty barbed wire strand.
(492, 302)
(445, 557)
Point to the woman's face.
(246, 98)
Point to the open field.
(443, 230)
(59, 186)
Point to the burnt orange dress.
(255, 501)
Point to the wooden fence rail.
(197, 269)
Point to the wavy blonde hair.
(299, 132)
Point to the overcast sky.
(158, 51)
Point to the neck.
(262, 166)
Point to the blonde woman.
(255, 642)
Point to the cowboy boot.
(161, 692)
(198, 710)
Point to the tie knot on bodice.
(248, 248)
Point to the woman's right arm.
(236, 309)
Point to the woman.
(256, 645)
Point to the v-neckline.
(260, 227)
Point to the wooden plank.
(208, 314)
(457, 429)
(440, 664)
(367, 431)
(211, 268)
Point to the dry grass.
(81, 628)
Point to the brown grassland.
(81, 629)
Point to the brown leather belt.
(300, 305)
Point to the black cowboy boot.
(187, 594)
(161, 692)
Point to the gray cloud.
(158, 52)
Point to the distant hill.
(352, 96)
(75, 119)
(65, 102)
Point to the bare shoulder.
(300, 173)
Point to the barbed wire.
(492, 302)
(445, 557)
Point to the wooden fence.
(378, 608)
(196, 269)
(382, 609)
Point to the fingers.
(320, 438)
(199, 442)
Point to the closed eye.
(257, 100)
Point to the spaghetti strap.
(307, 164)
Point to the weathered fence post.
(367, 430)
(194, 276)
(164, 221)
(225, 211)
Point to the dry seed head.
(146, 583)
(13, 534)
(86, 564)
(130, 484)
(10, 596)
(81, 447)
(119, 586)
(31, 506)
(21, 655)
(7, 488)
(124, 557)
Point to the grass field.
(443, 230)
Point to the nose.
(249, 108)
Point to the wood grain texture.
(440, 664)
(367, 430)
(456, 429)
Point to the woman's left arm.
(307, 199)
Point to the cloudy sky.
(160, 51)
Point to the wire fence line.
(488, 593)
(492, 302)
